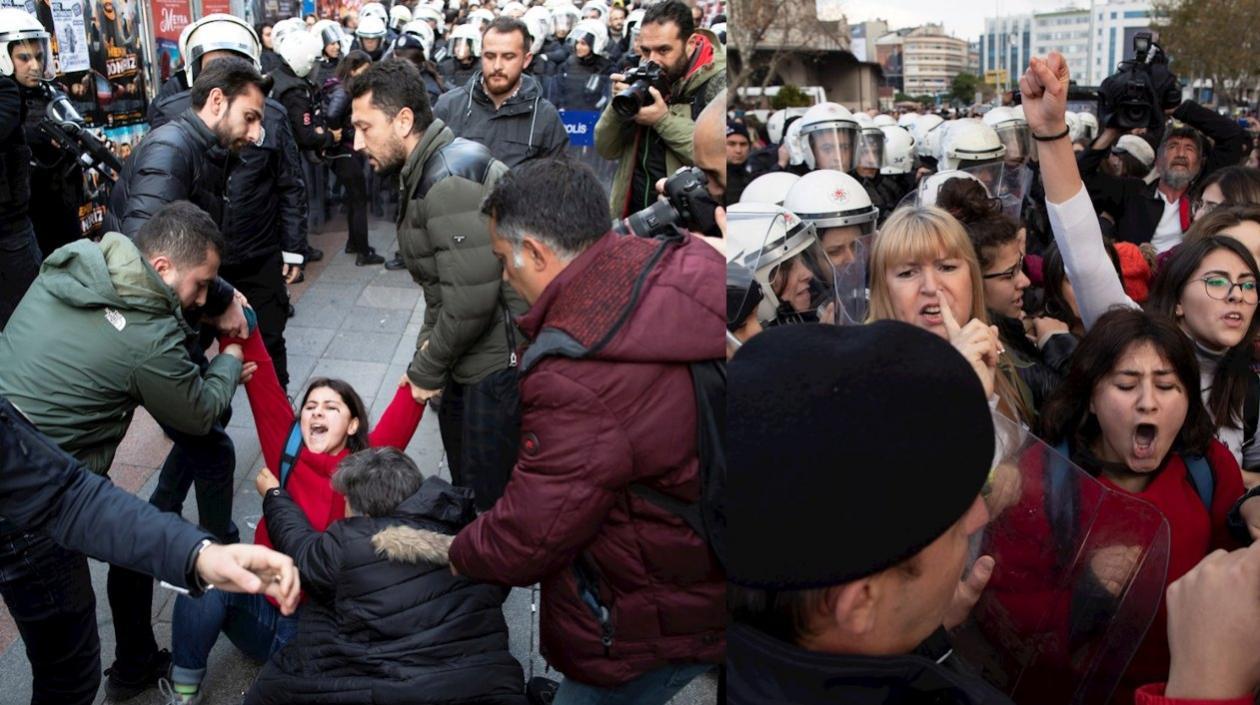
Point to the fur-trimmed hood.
(406, 544)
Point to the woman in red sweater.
(1128, 413)
(332, 420)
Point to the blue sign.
(308, 7)
(580, 124)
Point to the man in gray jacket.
(466, 347)
(502, 107)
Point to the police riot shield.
(1006, 185)
(1079, 574)
(852, 289)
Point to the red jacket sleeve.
(272, 414)
(1153, 694)
(399, 422)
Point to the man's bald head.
(709, 145)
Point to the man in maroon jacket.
(633, 602)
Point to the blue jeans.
(652, 688)
(19, 264)
(255, 627)
(49, 594)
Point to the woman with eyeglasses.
(1040, 348)
(1207, 287)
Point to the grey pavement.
(359, 324)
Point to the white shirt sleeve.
(1094, 279)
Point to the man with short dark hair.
(657, 140)
(465, 350)
(608, 410)
(737, 172)
(102, 331)
(503, 107)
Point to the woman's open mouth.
(1144, 437)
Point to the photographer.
(1158, 213)
(24, 51)
(684, 69)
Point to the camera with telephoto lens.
(687, 205)
(1137, 94)
(629, 102)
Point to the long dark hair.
(358, 440)
(350, 62)
(1054, 274)
(1066, 415)
(1229, 386)
(981, 215)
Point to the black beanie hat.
(736, 128)
(849, 450)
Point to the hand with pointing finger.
(977, 342)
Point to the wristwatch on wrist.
(197, 586)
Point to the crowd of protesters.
(569, 454)
(1022, 401)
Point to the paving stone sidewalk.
(356, 323)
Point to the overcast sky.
(964, 18)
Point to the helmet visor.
(31, 56)
(563, 21)
(463, 48)
(803, 285)
(1017, 140)
(871, 149)
(833, 147)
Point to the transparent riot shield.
(1079, 573)
(852, 288)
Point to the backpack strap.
(1200, 474)
(292, 447)
(1251, 411)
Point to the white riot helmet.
(1012, 130)
(719, 29)
(779, 118)
(465, 42)
(930, 186)
(907, 120)
(1089, 125)
(331, 32)
(884, 120)
(769, 188)
(634, 20)
(593, 32)
(432, 15)
(399, 15)
(453, 5)
(421, 30)
(970, 142)
(217, 32)
(832, 199)
(898, 150)
(300, 51)
(374, 9)
(480, 19)
(923, 126)
(767, 239)
(563, 17)
(595, 10)
(514, 9)
(538, 20)
(284, 28)
(20, 27)
(370, 28)
(1074, 125)
(870, 154)
(829, 130)
(796, 151)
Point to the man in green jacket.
(466, 348)
(657, 141)
(100, 332)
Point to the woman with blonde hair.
(925, 272)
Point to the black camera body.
(629, 102)
(687, 205)
(1137, 94)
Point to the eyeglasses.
(1007, 274)
(1202, 207)
(1220, 288)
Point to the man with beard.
(1160, 212)
(466, 347)
(502, 107)
(186, 159)
(657, 141)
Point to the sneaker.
(396, 264)
(179, 694)
(369, 257)
(120, 686)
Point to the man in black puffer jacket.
(385, 620)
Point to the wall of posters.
(70, 44)
(170, 17)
